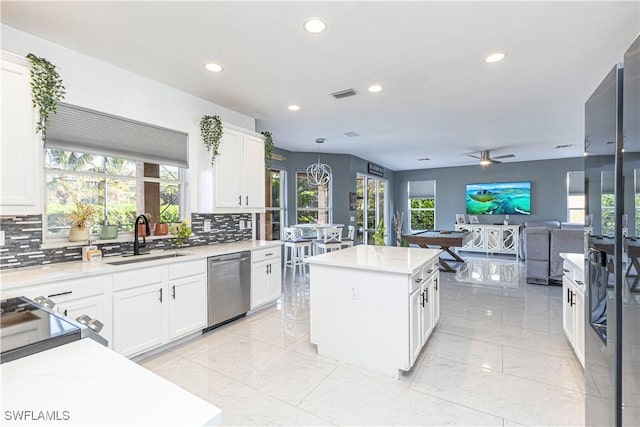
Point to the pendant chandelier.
(318, 173)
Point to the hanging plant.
(46, 90)
(268, 148)
(211, 131)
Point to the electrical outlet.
(352, 218)
(354, 292)
(207, 225)
(247, 224)
(241, 224)
(2, 238)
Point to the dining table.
(315, 226)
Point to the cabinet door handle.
(572, 302)
(436, 281)
(173, 291)
(60, 294)
(421, 299)
(240, 200)
(160, 294)
(565, 270)
(65, 311)
(269, 254)
(427, 294)
(568, 295)
(247, 201)
(418, 280)
(429, 271)
(579, 282)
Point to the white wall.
(100, 86)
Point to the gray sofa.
(541, 243)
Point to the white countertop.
(391, 259)
(97, 387)
(577, 260)
(76, 269)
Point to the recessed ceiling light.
(315, 25)
(375, 88)
(212, 66)
(495, 57)
(293, 107)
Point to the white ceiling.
(440, 100)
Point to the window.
(119, 188)
(575, 197)
(422, 205)
(312, 202)
(274, 204)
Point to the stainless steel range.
(27, 327)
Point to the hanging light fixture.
(318, 173)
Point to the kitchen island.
(374, 306)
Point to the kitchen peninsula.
(374, 306)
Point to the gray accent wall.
(548, 189)
(344, 168)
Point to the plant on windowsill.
(211, 131)
(181, 231)
(81, 215)
(46, 91)
(398, 219)
(268, 148)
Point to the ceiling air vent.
(344, 93)
(352, 134)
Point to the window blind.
(79, 129)
(422, 189)
(575, 183)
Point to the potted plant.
(46, 90)
(181, 231)
(268, 148)
(81, 215)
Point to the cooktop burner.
(27, 328)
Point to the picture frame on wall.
(473, 219)
(353, 201)
(460, 219)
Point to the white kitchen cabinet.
(237, 177)
(424, 308)
(491, 238)
(187, 305)
(415, 324)
(573, 308)
(138, 310)
(21, 166)
(266, 276)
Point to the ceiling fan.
(486, 159)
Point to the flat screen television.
(499, 198)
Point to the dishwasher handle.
(228, 261)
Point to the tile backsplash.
(23, 239)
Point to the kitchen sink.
(142, 258)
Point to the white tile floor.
(498, 357)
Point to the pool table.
(445, 240)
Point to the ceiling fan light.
(485, 162)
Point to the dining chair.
(296, 248)
(331, 240)
(351, 235)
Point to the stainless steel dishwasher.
(228, 287)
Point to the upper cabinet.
(21, 150)
(235, 183)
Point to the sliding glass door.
(371, 208)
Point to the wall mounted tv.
(499, 198)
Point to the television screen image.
(499, 198)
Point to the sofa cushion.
(547, 224)
(571, 226)
(571, 241)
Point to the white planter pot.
(78, 234)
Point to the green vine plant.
(46, 91)
(211, 131)
(268, 148)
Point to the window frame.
(48, 238)
(569, 195)
(329, 209)
(411, 210)
(283, 200)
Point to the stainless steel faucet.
(136, 244)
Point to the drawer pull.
(269, 254)
(565, 270)
(418, 280)
(160, 294)
(60, 294)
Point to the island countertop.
(392, 259)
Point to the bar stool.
(351, 234)
(296, 248)
(331, 240)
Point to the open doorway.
(370, 211)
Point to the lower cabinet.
(424, 309)
(153, 306)
(266, 276)
(573, 309)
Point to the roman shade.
(422, 189)
(575, 183)
(88, 131)
(607, 185)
